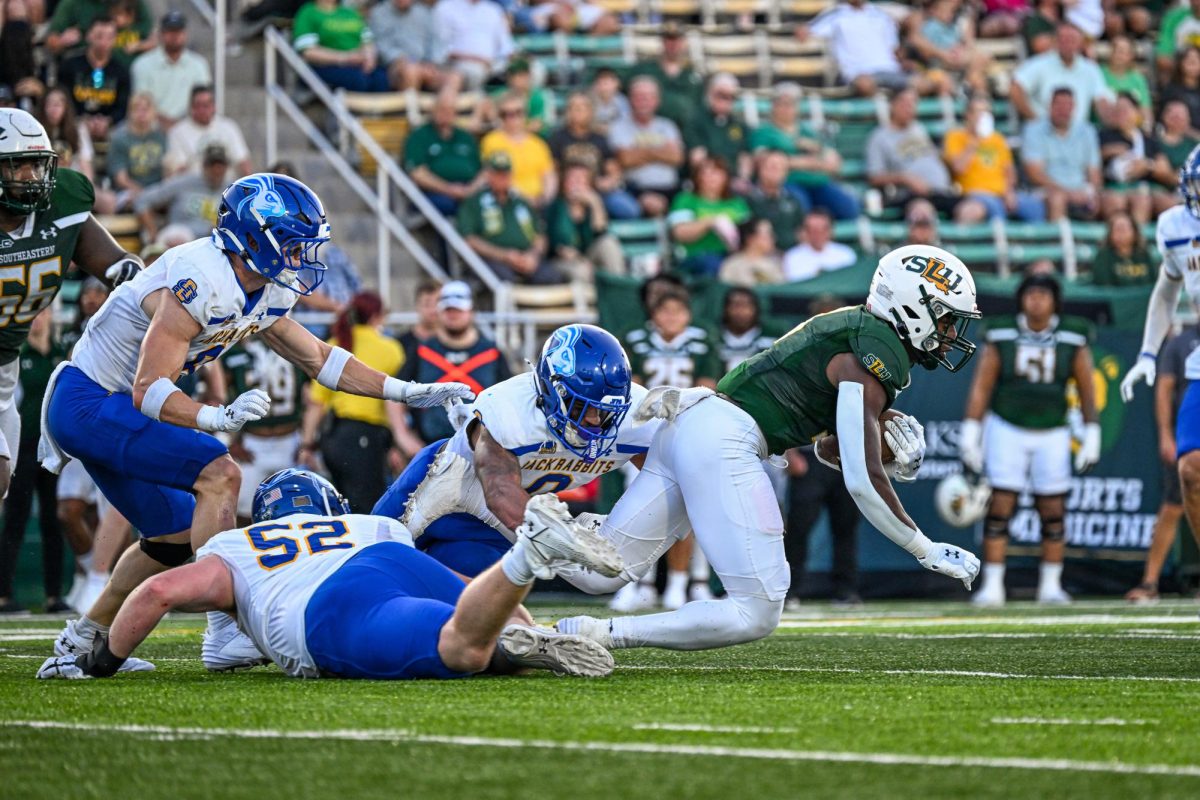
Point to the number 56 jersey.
(1035, 366)
(277, 566)
(201, 277)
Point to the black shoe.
(57, 607)
(849, 600)
(12, 607)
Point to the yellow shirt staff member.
(360, 431)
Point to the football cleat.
(674, 598)
(598, 630)
(72, 642)
(449, 487)
(988, 597)
(1053, 597)
(634, 597)
(226, 649)
(61, 667)
(699, 591)
(552, 539)
(561, 653)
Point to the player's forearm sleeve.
(852, 447)
(1163, 301)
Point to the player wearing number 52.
(1027, 365)
(116, 407)
(45, 224)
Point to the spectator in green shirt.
(715, 132)
(338, 45)
(813, 165)
(770, 199)
(1175, 138)
(1180, 30)
(504, 229)
(704, 221)
(1121, 73)
(518, 83)
(442, 158)
(1124, 260)
(72, 17)
(679, 85)
(578, 227)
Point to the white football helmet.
(960, 501)
(28, 163)
(914, 289)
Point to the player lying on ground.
(555, 428)
(335, 594)
(46, 223)
(837, 372)
(149, 447)
(1178, 235)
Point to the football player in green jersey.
(46, 223)
(828, 381)
(1028, 361)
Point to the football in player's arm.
(46, 223)
(1028, 362)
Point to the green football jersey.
(1035, 366)
(34, 258)
(785, 388)
(252, 365)
(681, 362)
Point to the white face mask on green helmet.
(28, 163)
(928, 296)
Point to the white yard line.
(690, 726)
(952, 673)
(167, 733)
(1131, 634)
(1107, 721)
(986, 622)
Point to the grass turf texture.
(896, 700)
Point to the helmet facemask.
(1189, 188)
(294, 265)
(567, 411)
(951, 337)
(27, 195)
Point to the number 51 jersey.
(1031, 391)
(201, 277)
(277, 566)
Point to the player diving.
(46, 223)
(148, 446)
(326, 593)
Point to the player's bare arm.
(337, 369)
(500, 474)
(162, 356)
(98, 253)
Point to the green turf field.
(895, 700)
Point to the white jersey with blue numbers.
(1178, 234)
(278, 565)
(201, 277)
(511, 415)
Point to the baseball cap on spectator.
(215, 153)
(517, 66)
(499, 161)
(455, 294)
(173, 21)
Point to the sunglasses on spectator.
(511, 112)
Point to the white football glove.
(1143, 370)
(1089, 448)
(458, 412)
(952, 561)
(124, 270)
(668, 402)
(425, 395)
(246, 407)
(906, 436)
(970, 445)
(61, 667)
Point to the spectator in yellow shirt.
(982, 165)
(533, 173)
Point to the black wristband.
(100, 662)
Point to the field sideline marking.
(167, 733)
(691, 726)
(1063, 721)
(987, 622)
(952, 673)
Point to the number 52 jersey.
(201, 277)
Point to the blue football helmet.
(276, 225)
(1189, 182)
(297, 491)
(584, 369)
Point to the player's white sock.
(515, 566)
(698, 566)
(84, 560)
(676, 582)
(86, 625)
(97, 576)
(993, 578)
(700, 625)
(1050, 577)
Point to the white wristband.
(331, 370)
(211, 418)
(156, 396)
(395, 389)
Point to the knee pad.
(169, 554)
(995, 528)
(1053, 529)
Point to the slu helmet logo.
(561, 353)
(934, 270)
(263, 199)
